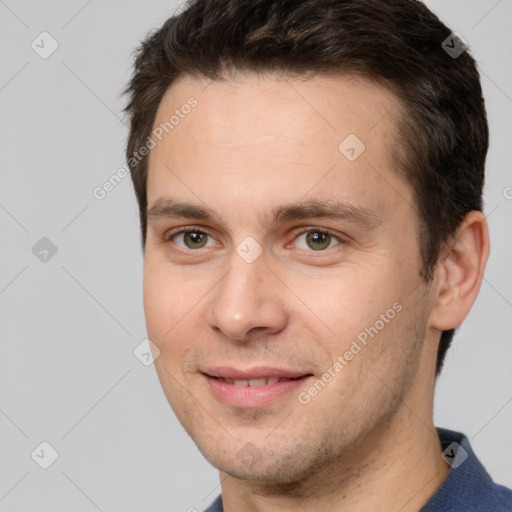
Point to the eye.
(317, 240)
(190, 239)
(314, 239)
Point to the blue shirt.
(467, 487)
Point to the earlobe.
(460, 272)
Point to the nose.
(248, 302)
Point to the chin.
(292, 464)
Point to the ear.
(460, 272)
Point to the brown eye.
(194, 240)
(190, 239)
(316, 240)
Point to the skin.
(367, 440)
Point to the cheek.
(174, 308)
(347, 302)
(166, 301)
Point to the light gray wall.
(69, 325)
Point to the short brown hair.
(444, 133)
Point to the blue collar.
(467, 487)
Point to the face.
(281, 278)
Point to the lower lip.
(249, 396)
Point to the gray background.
(69, 325)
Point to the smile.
(253, 388)
(257, 383)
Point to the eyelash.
(196, 229)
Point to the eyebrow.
(327, 209)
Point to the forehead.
(272, 136)
(266, 103)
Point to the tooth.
(257, 382)
(241, 382)
(227, 380)
(272, 380)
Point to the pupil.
(318, 238)
(195, 239)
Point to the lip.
(256, 372)
(249, 396)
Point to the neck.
(398, 466)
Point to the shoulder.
(216, 506)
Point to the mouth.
(253, 388)
(255, 382)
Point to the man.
(309, 176)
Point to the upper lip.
(256, 372)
